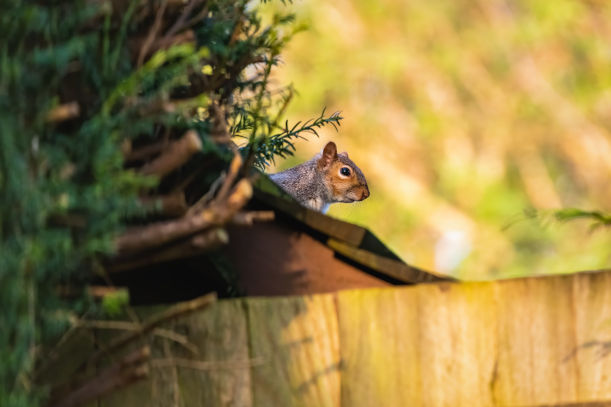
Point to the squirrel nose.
(365, 193)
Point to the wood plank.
(348, 232)
(592, 312)
(536, 333)
(388, 267)
(212, 368)
(297, 339)
(417, 346)
(221, 338)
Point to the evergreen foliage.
(80, 82)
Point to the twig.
(237, 28)
(133, 326)
(178, 24)
(128, 370)
(234, 168)
(174, 312)
(219, 132)
(218, 213)
(248, 218)
(177, 154)
(173, 204)
(63, 112)
(210, 240)
(152, 33)
(198, 244)
(207, 197)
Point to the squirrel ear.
(329, 154)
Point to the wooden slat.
(221, 337)
(417, 346)
(297, 338)
(391, 268)
(536, 333)
(592, 312)
(347, 232)
(211, 369)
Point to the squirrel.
(327, 178)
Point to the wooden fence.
(525, 342)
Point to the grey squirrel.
(327, 178)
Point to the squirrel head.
(344, 180)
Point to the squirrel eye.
(345, 171)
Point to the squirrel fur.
(327, 178)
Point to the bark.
(64, 112)
(216, 214)
(200, 243)
(177, 154)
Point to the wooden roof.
(355, 243)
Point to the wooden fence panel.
(297, 341)
(527, 342)
(536, 333)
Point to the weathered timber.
(542, 341)
(302, 331)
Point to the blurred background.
(472, 121)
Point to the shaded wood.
(156, 320)
(129, 369)
(298, 340)
(217, 375)
(220, 376)
(272, 258)
(177, 153)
